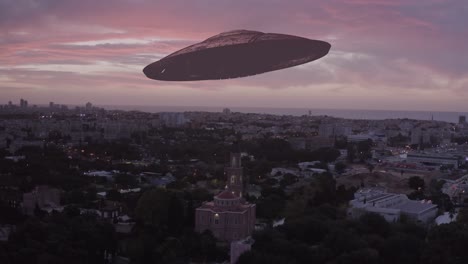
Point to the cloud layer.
(401, 54)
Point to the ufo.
(235, 54)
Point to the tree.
(372, 223)
(340, 167)
(402, 248)
(326, 154)
(361, 256)
(416, 183)
(71, 211)
(270, 207)
(125, 179)
(343, 241)
(326, 189)
(153, 207)
(462, 216)
(113, 195)
(60, 238)
(352, 149)
(446, 244)
(288, 179)
(175, 214)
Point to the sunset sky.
(386, 54)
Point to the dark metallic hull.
(236, 54)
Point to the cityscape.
(233, 132)
(219, 186)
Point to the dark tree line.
(60, 238)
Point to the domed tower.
(234, 174)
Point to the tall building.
(23, 103)
(462, 119)
(229, 217)
(226, 111)
(89, 106)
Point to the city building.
(229, 217)
(334, 129)
(311, 143)
(433, 159)
(43, 197)
(359, 138)
(420, 136)
(390, 206)
(326, 130)
(457, 190)
(89, 106)
(173, 119)
(23, 103)
(462, 119)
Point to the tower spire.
(234, 174)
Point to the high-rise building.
(229, 217)
(462, 119)
(89, 106)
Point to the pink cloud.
(384, 32)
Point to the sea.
(451, 117)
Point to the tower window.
(233, 178)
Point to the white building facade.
(390, 206)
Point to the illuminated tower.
(234, 175)
(229, 217)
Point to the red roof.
(212, 207)
(226, 195)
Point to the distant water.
(343, 113)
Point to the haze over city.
(394, 55)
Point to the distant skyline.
(395, 55)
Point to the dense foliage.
(60, 238)
(317, 230)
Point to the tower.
(228, 216)
(234, 175)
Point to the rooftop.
(415, 206)
(218, 209)
(227, 195)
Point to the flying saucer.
(236, 54)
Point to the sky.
(386, 54)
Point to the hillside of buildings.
(88, 185)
